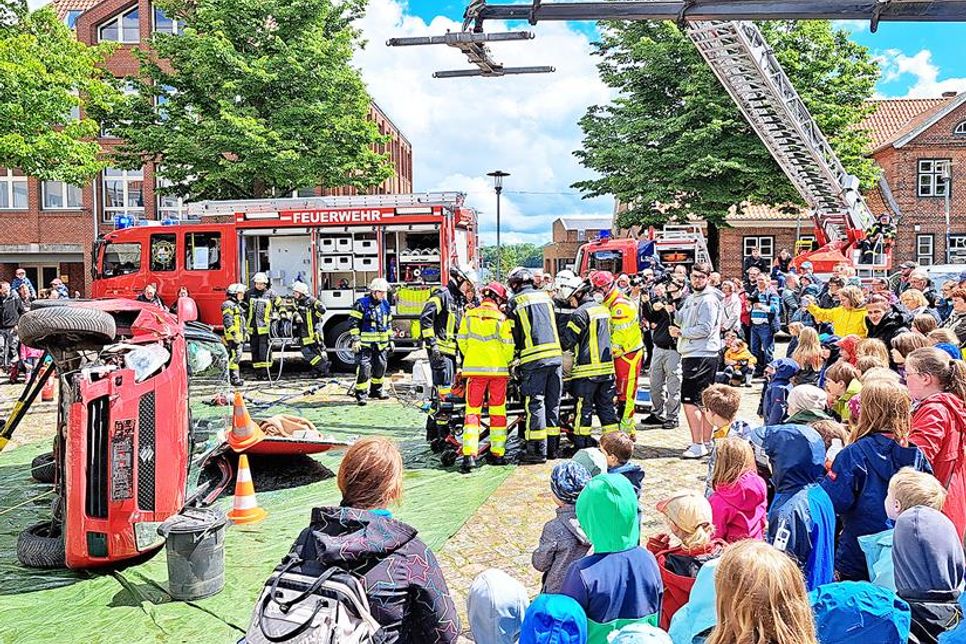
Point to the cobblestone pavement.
(506, 529)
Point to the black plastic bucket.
(195, 545)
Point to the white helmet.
(260, 278)
(235, 288)
(379, 284)
(300, 287)
(563, 279)
(568, 286)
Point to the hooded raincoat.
(858, 484)
(892, 324)
(620, 583)
(495, 607)
(740, 509)
(553, 619)
(693, 623)
(938, 424)
(801, 519)
(929, 563)
(407, 593)
(561, 543)
(779, 387)
(679, 568)
(856, 612)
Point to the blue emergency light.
(122, 221)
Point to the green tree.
(253, 98)
(513, 255)
(44, 74)
(674, 137)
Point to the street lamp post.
(498, 187)
(947, 179)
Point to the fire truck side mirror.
(187, 310)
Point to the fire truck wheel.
(42, 546)
(66, 327)
(42, 468)
(338, 338)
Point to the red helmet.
(495, 290)
(602, 281)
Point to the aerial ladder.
(743, 62)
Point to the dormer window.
(960, 129)
(123, 28)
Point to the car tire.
(66, 327)
(338, 337)
(42, 546)
(43, 468)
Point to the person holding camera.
(658, 308)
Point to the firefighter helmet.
(260, 278)
(563, 279)
(496, 291)
(518, 278)
(581, 288)
(462, 274)
(567, 286)
(234, 289)
(300, 288)
(379, 284)
(602, 281)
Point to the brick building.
(567, 236)
(914, 142)
(49, 226)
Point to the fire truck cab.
(675, 244)
(336, 245)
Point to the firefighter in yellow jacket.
(233, 319)
(588, 334)
(485, 339)
(627, 345)
(261, 302)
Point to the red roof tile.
(894, 117)
(61, 7)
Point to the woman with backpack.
(403, 582)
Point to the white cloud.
(463, 128)
(897, 64)
(853, 26)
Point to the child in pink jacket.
(739, 503)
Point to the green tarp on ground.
(130, 605)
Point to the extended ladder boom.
(740, 57)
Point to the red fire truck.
(675, 244)
(336, 245)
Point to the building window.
(960, 128)
(765, 244)
(202, 251)
(933, 177)
(13, 190)
(581, 235)
(165, 25)
(123, 193)
(170, 206)
(925, 250)
(61, 196)
(71, 18)
(123, 28)
(957, 249)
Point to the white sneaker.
(695, 451)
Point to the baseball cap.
(908, 265)
(836, 280)
(806, 265)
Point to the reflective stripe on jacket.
(588, 333)
(371, 320)
(485, 339)
(260, 307)
(311, 310)
(534, 326)
(625, 328)
(441, 319)
(232, 316)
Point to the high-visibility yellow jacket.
(535, 328)
(625, 326)
(260, 307)
(485, 339)
(311, 310)
(844, 321)
(588, 333)
(370, 320)
(441, 319)
(232, 318)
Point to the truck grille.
(96, 482)
(147, 452)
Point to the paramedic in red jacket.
(937, 384)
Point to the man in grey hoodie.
(698, 327)
(562, 541)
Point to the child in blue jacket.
(775, 406)
(801, 519)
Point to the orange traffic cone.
(47, 393)
(245, 507)
(244, 431)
